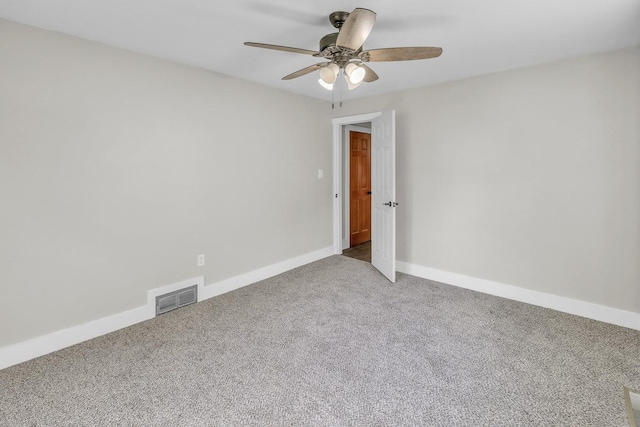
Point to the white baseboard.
(627, 319)
(35, 347)
(39, 346)
(254, 276)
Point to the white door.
(383, 198)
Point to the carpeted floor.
(334, 343)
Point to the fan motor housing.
(328, 41)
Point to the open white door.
(383, 198)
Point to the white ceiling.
(478, 37)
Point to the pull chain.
(339, 82)
(333, 93)
(341, 78)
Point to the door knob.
(368, 192)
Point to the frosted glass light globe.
(325, 85)
(350, 85)
(355, 73)
(329, 73)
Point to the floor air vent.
(176, 299)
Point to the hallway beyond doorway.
(361, 252)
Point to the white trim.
(153, 293)
(589, 310)
(337, 182)
(254, 276)
(359, 118)
(337, 171)
(346, 218)
(39, 346)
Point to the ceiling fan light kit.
(355, 73)
(325, 85)
(351, 85)
(329, 74)
(344, 51)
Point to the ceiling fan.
(344, 52)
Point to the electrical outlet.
(200, 260)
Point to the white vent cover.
(176, 299)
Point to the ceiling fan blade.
(370, 75)
(282, 48)
(356, 29)
(401, 53)
(306, 70)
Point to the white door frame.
(338, 179)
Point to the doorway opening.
(356, 166)
(341, 208)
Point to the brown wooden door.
(360, 183)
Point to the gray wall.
(117, 170)
(529, 177)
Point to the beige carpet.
(334, 343)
